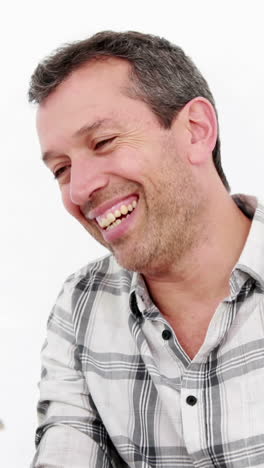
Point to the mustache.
(103, 195)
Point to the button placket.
(191, 400)
(166, 334)
(191, 410)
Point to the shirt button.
(191, 400)
(166, 334)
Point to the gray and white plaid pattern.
(113, 391)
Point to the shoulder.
(95, 296)
(96, 284)
(102, 275)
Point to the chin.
(126, 261)
(132, 261)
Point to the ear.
(201, 121)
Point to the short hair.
(161, 74)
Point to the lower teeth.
(116, 223)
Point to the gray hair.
(161, 74)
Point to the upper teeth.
(112, 216)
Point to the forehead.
(97, 85)
(98, 92)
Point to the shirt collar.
(140, 300)
(250, 263)
(251, 260)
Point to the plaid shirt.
(118, 391)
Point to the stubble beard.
(171, 223)
(170, 230)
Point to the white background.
(40, 244)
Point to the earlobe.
(202, 126)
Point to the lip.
(100, 210)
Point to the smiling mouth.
(114, 217)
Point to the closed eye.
(102, 143)
(59, 172)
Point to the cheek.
(130, 164)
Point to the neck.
(201, 277)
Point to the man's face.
(114, 163)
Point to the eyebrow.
(85, 130)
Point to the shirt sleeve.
(70, 432)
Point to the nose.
(87, 176)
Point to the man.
(154, 353)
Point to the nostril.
(83, 186)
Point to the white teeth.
(118, 221)
(117, 213)
(102, 223)
(110, 220)
(124, 210)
